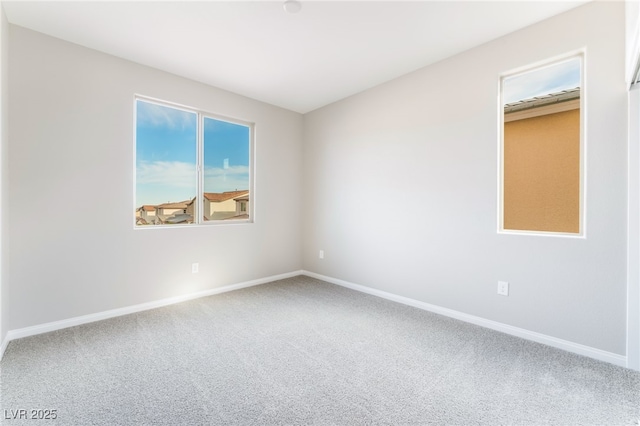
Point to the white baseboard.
(85, 319)
(577, 348)
(494, 325)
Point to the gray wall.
(400, 189)
(632, 14)
(73, 247)
(4, 173)
(633, 255)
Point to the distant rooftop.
(179, 218)
(224, 196)
(170, 205)
(538, 101)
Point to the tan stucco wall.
(225, 206)
(542, 173)
(169, 212)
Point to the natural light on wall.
(542, 149)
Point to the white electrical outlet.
(195, 267)
(503, 288)
(321, 254)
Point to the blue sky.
(226, 156)
(542, 81)
(166, 146)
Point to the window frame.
(580, 54)
(198, 213)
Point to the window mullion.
(200, 170)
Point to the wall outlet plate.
(503, 288)
(195, 267)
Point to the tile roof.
(538, 101)
(178, 205)
(240, 216)
(218, 197)
(179, 218)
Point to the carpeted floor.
(301, 351)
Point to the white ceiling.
(326, 52)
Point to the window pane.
(226, 170)
(166, 141)
(541, 149)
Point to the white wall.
(632, 14)
(633, 259)
(632, 39)
(429, 142)
(4, 173)
(71, 150)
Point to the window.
(191, 167)
(542, 149)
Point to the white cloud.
(163, 181)
(542, 81)
(168, 173)
(154, 115)
(218, 179)
(229, 171)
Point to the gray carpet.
(301, 351)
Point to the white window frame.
(582, 55)
(199, 205)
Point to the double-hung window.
(191, 167)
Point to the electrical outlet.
(503, 288)
(195, 267)
(321, 254)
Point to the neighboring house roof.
(538, 101)
(148, 208)
(240, 216)
(244, 198)
(178, 205)
(179, 218)
(218, 197)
